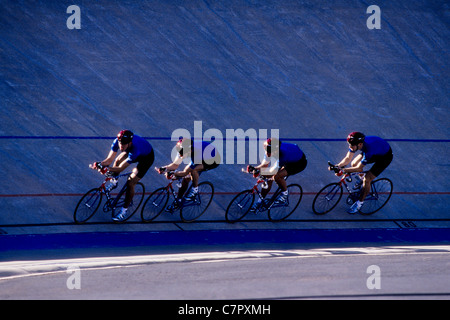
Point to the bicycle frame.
(92, 199)
(171, 191)
(347, 177)
(269, 202)
(190, 208)
(330, 195)
(107, 192)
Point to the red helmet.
(125, 136)
(355, 138)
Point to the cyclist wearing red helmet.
(286, 158)
(203, 156)
(134, 149)
(373, 150)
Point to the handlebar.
(169, 173)
(264, 178)
(333, 167)
(259, 177)
(100, 168)
(339, 172)
(95, 166)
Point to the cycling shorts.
(296, 167)
(381, 163)
(144, 163)
(207, 164)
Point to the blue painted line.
(222, 237)
(224, 139)
(70, 138)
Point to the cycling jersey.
(140, 148)
(202, 152)
(289, 153)
(373, 148)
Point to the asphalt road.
(420, 272)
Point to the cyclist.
(203, 157)
(374, 150)
(134, 149)
(287, 159)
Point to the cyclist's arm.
(358, 168)
(268, 168)
(171, 167)
(264, 164)
(348, 158)
(175, 164)
(118, 169)
(109, 159)
(180, 174)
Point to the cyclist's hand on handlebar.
(103, 170)
(332, 167)
(161, 170)
(96, 165)
(170, 175)
(252, 169)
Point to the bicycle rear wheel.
(119, 201)
(327, 198)
(380, 193)
(154, 205)
(87, 206)
(192, 210)
(239, 206)
(279, 212)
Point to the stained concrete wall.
(311, 69)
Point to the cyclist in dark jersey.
(134, 149)
(286, 158)
(203, 157)
(374, 150)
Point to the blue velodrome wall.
(311, 69)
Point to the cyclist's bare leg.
(367, 181)
(190, 175)
(264, 192)
(132, 181)
(120, 159)
(195, 174)
(184, 186)
(357, 160)
(187, 173)
(279, 179)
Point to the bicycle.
(241, 204)
(91, 200)
(330, 195)
(190, 210)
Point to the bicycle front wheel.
(239, 206)
(327, 198)
(279, 212)
(154, 205)
(193, 209)
(119, 201)
(87, 206)
(380, 193)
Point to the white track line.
(20, 269)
